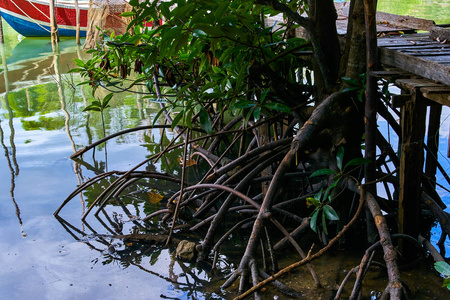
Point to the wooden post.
(370, 109)
(411, 169)
(53, 25)
(77, 34)
(2, 40)
(370, 118)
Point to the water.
(41, 125)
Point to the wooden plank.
(402, 42)
(405, 21)
(443, 89)
(439, 95)
(440, 33)
(438, 54)
(430, 46)
(413, 83)
(415, 65)
(437, 60)
(393, 74)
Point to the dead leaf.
(189, 162)
(154, 197)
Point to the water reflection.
(41, 125)
(10, 155)
(144, 252)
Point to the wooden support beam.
(439, 95)
(411, 168)
(400, 100)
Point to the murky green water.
(41, 125)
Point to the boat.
(32, 17)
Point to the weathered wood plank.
(391, 73)
(403, 42)
(405, 21)
(439, 95)
(440, 33)
(443, 89)
(415, 65)
(430, 46)
(413, 83)
(439, 54)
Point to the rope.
(48, 17)
(30, 17)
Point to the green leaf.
(198, 32)
(263, 96)
(183, 11)
(357, 161)
(350, 81)
(165, 10)
(205, 121)
(313, 222)
(188, 119)
(318, 195)
(157, 115)
(324, 224)
(217, 69)
(177, 119)
(92, 108)
(330, 213)
(340, 157)
(182, 42)
(221, 10)
(79, 62)
(349, 89)
(244, 104)
(127, 14)
(322, 172)
(312, 201)
(76, 70)
(106, 100)
(256, 112)
(442, 267)
(278, 106)
(446, 283)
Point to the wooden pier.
(419, 64)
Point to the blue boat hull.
(31, 28)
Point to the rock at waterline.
(186, 250)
